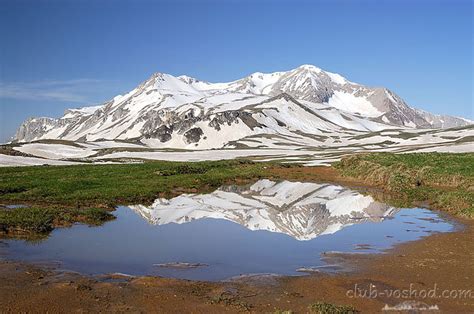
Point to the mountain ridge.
(184, 112)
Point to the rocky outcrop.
(34, 128)
(193, 135)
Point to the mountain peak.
(170, 111)
(188, 79)
(309, 67)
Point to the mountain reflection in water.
(267, 227)
(303, 211)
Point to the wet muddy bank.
(444, 261)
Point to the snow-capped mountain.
(306, 104)
(303, 211)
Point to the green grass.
(230, 300)
(27, 219)
(59, 194)
(328, 308)
(43, 220)
(110, 185)
(62, 195)
(444, 180)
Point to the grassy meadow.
(63, 195)
(444, 181)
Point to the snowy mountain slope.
(306, 149)
(303, 211)
(293, 147)
(442, 121)
(306, 104)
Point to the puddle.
(14, 206)
(275, 228)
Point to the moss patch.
(444, 180)
(60, 195)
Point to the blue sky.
(64, 54)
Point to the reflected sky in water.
(267, 227)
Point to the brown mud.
(434, 271)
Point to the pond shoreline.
(444, 260)
(62, 195)
(203, 244)
(422, 263)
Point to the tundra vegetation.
(62, 195)
(444, 181)
(328, 308)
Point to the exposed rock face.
(193, 135)
(162, 133)
(169, 111)
(34, 127)
(442, 121)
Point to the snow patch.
(336, 78)
(349, 102)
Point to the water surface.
(267, 227)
